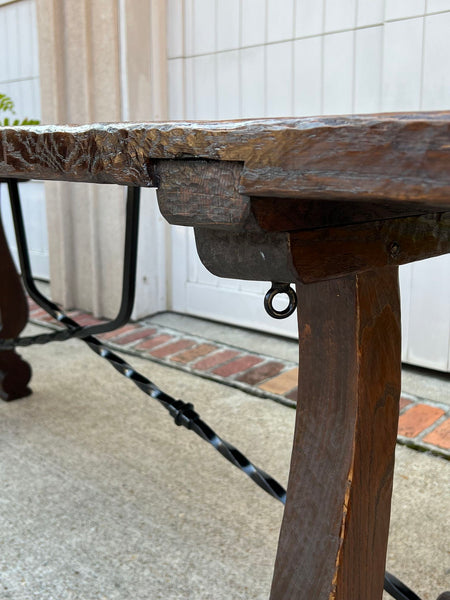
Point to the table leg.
(15, 373)
(335, 528)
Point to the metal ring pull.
(280, 288)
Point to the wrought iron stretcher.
(333, 204)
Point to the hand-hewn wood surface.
(15, 373)
(387, 158)
(336, 251)
(334, 533)
(296, 199)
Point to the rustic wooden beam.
(336, 251)
(381, 158)
(322, 253)
(334, 534)
(202, 193)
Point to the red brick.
(404, 402)
(113, 334)
(138, 334)
(47, 318)
(282, 384)
(440, 436)
(156, 341)
(259, 374)
(418, 418)
(216, 359)
(196, 352)
(237, 366)
(85, 320)
(38, 313)
(169, 349)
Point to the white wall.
(19, 79)
(260, 58)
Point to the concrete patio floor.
(103, 498)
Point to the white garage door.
(245, 58)
(19, 79)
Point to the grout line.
(304, 37)
(19, 80)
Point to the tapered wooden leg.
(335, 527)
(15, 373)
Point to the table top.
(386, 158)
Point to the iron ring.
(280, 288)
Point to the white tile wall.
(205, 86)
(204, 26)
(19, 55)
(188, 25)
(280, 20)
(339, 15)
(400, 9)
(19, 79)
(338, 73)
(253, 82)
(253, 22)
(26, 97)
(308, 17)
(369, 12)
(189, 90)
(308, 76)
(175, 45)
(437, 5)
(176, 85)
(402, 65)
(228, 95)
(279, 92)
(228, 24)
(368, 69)
(436, 66)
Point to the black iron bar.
(129, 265)
(183, 413)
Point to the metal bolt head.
(394, 249)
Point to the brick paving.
(423, 424)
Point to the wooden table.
(333, 204)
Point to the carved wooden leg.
(15, 373)
(334, 533)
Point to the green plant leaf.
(6, 103)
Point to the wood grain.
(336, 251)
(15, 373)
(334, 533)
(382, 158)
(202, 193)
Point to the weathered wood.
(293, 214)
(333, 252)
(260, 256)
(15, 373)
(322, 253)
(334, 533)
(382, 158)
(334, 195)
(202, 193)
